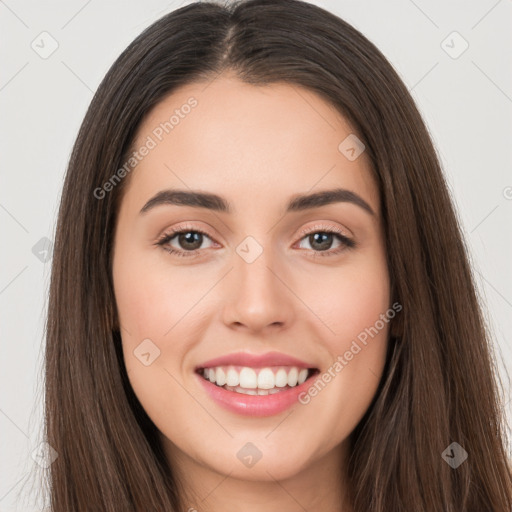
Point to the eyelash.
(347, 243)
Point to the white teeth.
(281, 378)
(266, 379)
(248, 378)
(232, 378)
(238, 389)
(252, 381)
(220, 377)
(293, 375)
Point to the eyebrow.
(217, 203)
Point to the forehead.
(247, 142)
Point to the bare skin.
(258, 147)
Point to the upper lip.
(255, 360)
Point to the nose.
(258, 295)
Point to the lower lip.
(255, 405)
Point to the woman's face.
(264, 287)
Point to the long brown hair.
(440, 382)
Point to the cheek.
(158, 303)
(360, 300)
(345, 388)
(150, 303)
(150, 299)
(355, 307)
(352, 299)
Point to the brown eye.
(321, 240)
(189, 240)
(183, 242)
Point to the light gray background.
(466, 102)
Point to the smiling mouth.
(257, 381)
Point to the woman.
(260, 292)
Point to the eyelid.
(187, 226)
(319, 226)
(347, 242)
